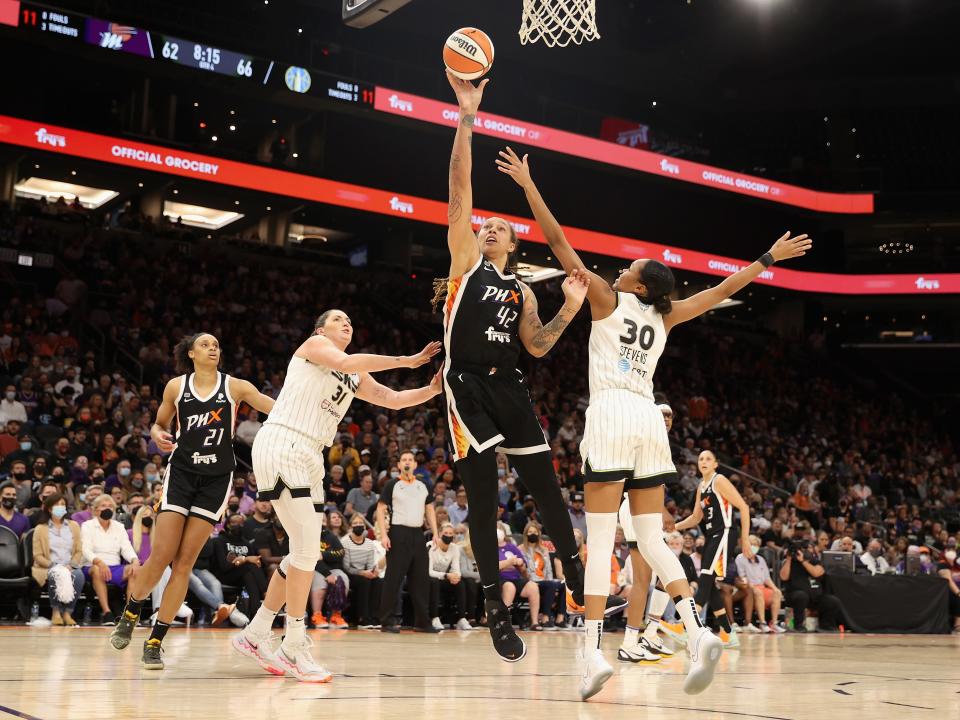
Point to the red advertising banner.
(76, 143)
(9, 12)
(532, 135)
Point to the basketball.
(468, 53)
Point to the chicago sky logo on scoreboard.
(298, 79)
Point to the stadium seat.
(13, 579)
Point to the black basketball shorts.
(492, 410)
(195, 495)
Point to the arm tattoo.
(454, 208)
(547, 335)
(468, 120)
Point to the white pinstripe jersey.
(625, 347)
(313, 400)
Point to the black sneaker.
(426, 629)
(107, 619)
(120, 637)
(573, 575)
(614, 604)
(152, 652)
(506, 642)
(390, 628)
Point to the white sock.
(688, 613)
(651, 631)
(593, 635)
(296, 635)
(262, 622)
(631, 636)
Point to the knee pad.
(658, 603)
(304, 543)
(649, 532)
(601, 529)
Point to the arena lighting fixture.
(299, 232)
(90, 197)
(198, 216)
(538, 273)
(895, 247)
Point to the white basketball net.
(559, 22)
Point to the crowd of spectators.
(816, 454)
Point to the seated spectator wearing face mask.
(949, 569)
(57, 558)
(272, 544)
(537, 558)
(762, 592)
(10, 517)
(330, 582)
(446, 582)
(106, 546)
(237, 562)
(874, 560)
(515, 579)
(360, 563)
(87, 498)
(122, 478)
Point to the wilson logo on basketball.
(464, 44)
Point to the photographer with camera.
(802, 574)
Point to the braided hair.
(441, 286)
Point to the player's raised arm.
(538, 338)
(380, 395)
(601, 296)
(321, 351)
(464, 250)
(783, 249)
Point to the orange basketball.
(468, 53)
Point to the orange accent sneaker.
(319, 621)
(337, 621)
(724, 635)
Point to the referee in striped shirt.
(408, 501)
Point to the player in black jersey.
(488, 315)
(197, 482)
(713, 512)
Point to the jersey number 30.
(646, 335)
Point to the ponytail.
(663, 305)
(181, 353)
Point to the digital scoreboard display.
(119, 37)
(210, 58)
(40, 19)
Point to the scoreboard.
(158, 47)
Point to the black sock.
(132, 611)
(724, 622)
(159, 632)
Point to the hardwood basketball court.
(58, 673)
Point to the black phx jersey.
(205, 429)
(488, 404)
(481, 316)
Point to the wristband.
(766, 260)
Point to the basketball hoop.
(559, 22)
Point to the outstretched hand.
(468, 94)
(790, 247)
(436, 384)
(512, 165)
(424, 356)
(575, 287)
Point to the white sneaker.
(238, 619)
(732, 641)
(735, 627)
(437, 625)
(463, 624)
(595, 671)
(301, 665)
(259, 648)
(751, 628)
(185, 612)
(656, 646)
(764, 628)
(776, 628)
(637, 653)
(705, 651)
